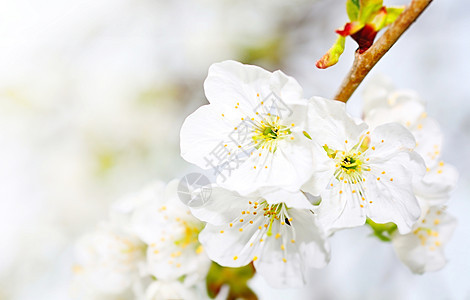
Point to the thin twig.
(364, 62)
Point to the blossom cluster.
(148, 249)
(290, 172)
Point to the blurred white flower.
(383, 104)
(171, 233)
(252, 130)
(168, 290)
(422, 250)
(282, 241)
(107, 261)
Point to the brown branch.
(364, 62)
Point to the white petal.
(231, 82)
(171, 289)
(422, 250)
(380, 93)
(324, 168)
(428, 135)
(230, 247)
(291, 199)
(288, 167)
(329, 124)
(388, 139)
(170, 262)
(341, 208)
(388, 187)
(286, 259)
(437, 184)
(407, 114)
(204, 134)
(376, 92)
(221, 207)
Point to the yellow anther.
(278, 235)
(235, 257)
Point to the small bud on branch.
(364, 62)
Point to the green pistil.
(349, 163)
(269, 134)
(270, 227)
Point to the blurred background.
(93, 95)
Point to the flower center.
(189, 234)
(350, 163)
(268, 132)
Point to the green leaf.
(235, 278)
(392, 14)
(378, 21)
(352, 8)
(368, 10)
(332, 56)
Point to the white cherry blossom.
(107, 261)
(171, 233)
(422, 249)
(282, 240)
(252, 132)
(370, 174)
(408, 109)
